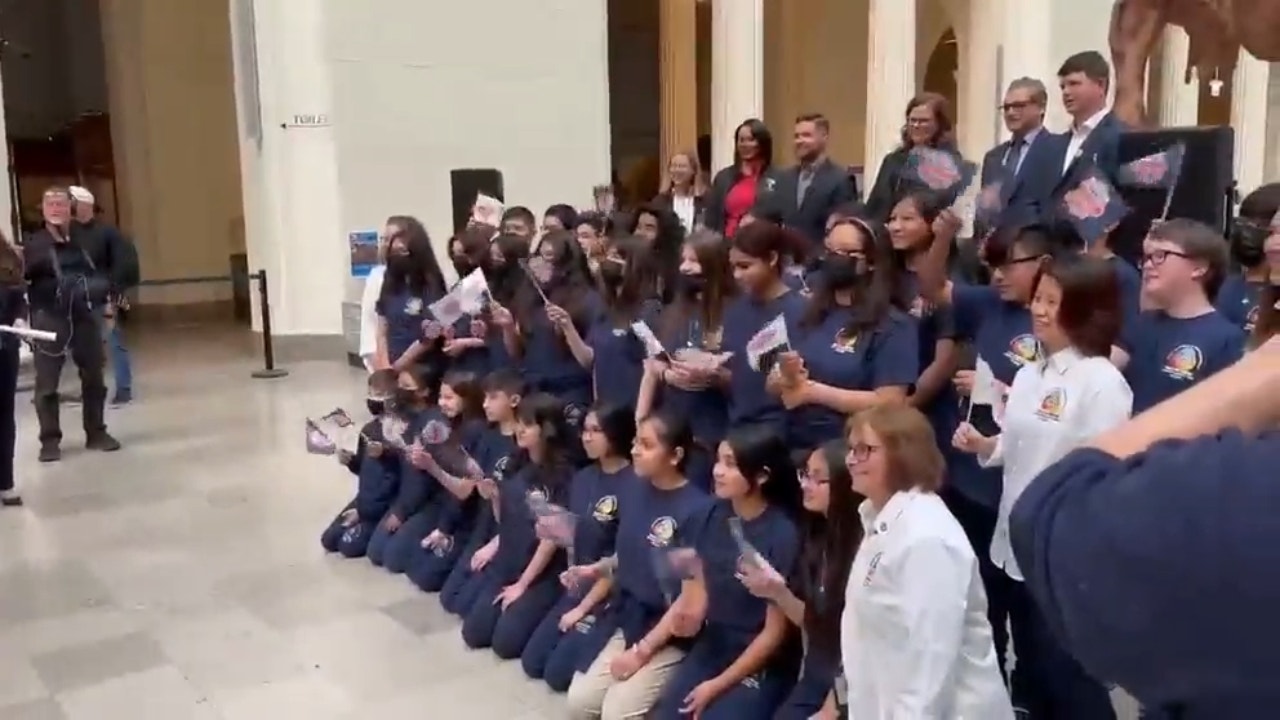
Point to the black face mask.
(611, 274)
(691, 286)
(841, 272)
(400, 263)
(1247, 241)
(463, 266)
(376, 407)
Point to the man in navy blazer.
(1029, 164)
(1094, 137)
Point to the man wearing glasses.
(1028, 165)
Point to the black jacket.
(87, 252)
(714, 215)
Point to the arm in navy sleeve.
(970, 303)
(452, 512)
(1157, 572)
(414, 491)
(357, 457)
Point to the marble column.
(1249, 118)
(1179, 100)
(6, 202)
(737, 72)
(891, 77)
(979, 80)
(1027, 50)
(678, 68)
(1271, 171)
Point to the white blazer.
(369, 315)
(914, 635)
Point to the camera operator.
(68, 285)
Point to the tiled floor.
(182, 577)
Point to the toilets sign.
(311, 120)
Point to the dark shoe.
(122, 397)
(50, 452)
(104, 442)
(11, 500)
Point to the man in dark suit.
(1094, 137)
(1029, 164)
(808, 193)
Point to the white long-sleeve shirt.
(369, 315)
(1054, 407)
(914, 636)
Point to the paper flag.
(394, 428)
(435, 432)
(317, 442)
(652, 346)
(764, 346)
(487, 210)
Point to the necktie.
(1014, 155)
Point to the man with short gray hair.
(1029, 164)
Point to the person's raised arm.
(932, 270)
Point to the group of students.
(761, 537)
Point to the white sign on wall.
(307, 120)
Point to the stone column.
(1179, 100)
(737, 72)
(1271, 172)
(6, 202)
(891, 77)
(678, 80)
(979, 82)
(1249, 118)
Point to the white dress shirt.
(683, 207)
(1054, 407)
(369, 314)
(914, 636)
(1079, 134)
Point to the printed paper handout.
(765, 346)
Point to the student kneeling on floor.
(521, 583)
(378, 473)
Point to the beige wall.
(817, 67)
(173, 126)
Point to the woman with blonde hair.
(683, 186)
(13, 311)
(914, 636)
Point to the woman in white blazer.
(1053, 407)
(915, 640)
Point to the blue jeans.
(118, 353)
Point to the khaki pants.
(596, 695)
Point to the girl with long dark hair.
(562, 644)
(413, 282)
(737, 666)
(661, 230)
(813, 598)
(857, 347)
(693, 324)
(521, 583)
(467, 341)
(536, 330)
(611, 349)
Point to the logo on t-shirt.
(1052, 405)
(500, 468)
(1023, 349)
(845, 342)
(413, 306)
(1251, 319)
(871, 569)
(662, 531)
(1183, 362)
(605, 509)
(921, 307)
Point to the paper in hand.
(317, 442)
(341, 429)
(652, 346)
(747, 552)
(764, 347)
(394, 429)
(552, 522)
(672, 566)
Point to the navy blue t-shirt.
(749, 402)
(706, 410)
(734, 615)
(517, 538)
(934, 324)
(1238, 301)
(1002, 337)
(886, 357)
(494, 453)
(593, 499)
(1130, 282)
(548, 364)
(403, 314)
(650, 523)
(619, 357)
(1168, 355)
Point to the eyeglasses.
(862, 451)
(919, 122)
(1006, 107)
(1010, 262)
(1157, 257)
(807, 479)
